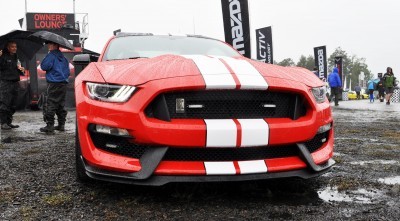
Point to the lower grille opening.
(123, 146)
(117, 145)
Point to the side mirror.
(81, 59)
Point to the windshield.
(152, 46)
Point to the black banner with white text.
(339, 65)
(264, 45)
(235, 14)
(320, 61)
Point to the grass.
(58, 199)
(60, 187)
(345, 183)
(28, 213)
(395, 135)
(350, 131)
(110, 215)
(382, 155)
(381, 147)
(33, 151)
(6, 196)
(338, 159)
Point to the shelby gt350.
(157, 109)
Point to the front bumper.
(189, 134)
(152, 158)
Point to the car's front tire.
(81, 175)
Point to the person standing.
(371, 91)
(381, 88)
(335, 83)
(389, 81)
(10, 71)
(57, 73)
(357, 89)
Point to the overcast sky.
(366, 28)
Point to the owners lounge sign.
(48, 21)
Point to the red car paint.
(154, 76)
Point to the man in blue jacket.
(335, 83)
(57, 73)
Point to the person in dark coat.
(57, 73)
(10, 72)
(358, 91)
(381, 88)
(389, 80)
(335, 83)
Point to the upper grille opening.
(226, 104)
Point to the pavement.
(366, 105)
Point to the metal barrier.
(396, 96)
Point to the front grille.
(123, 146)
(228, 104)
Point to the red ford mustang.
(160, 109)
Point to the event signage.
(320, 61)
(264, 45)
(235, 15)
(339, 65)
(48, 21)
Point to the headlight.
(319, 94)
(109, 92)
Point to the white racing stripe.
(221, 133)
(220, 168)
(253, 166)
(247, 74)
(255, 132)
(214, 72)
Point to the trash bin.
(345, 96)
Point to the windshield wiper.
(115, 59)
(136, 57)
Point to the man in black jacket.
(10, 71)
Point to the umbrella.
(46, 36)
(27, 46)
(376, 80)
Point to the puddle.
(383, 162)
(331, 194)
(390, 180)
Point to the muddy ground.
(37, 181)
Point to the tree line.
(352, 64)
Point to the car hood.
(142, 70)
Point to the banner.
(320, 61)
(48, 21)
(339, 65)
(264, 45)
(235, 14)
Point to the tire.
(81, 175)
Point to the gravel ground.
(37, 181)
